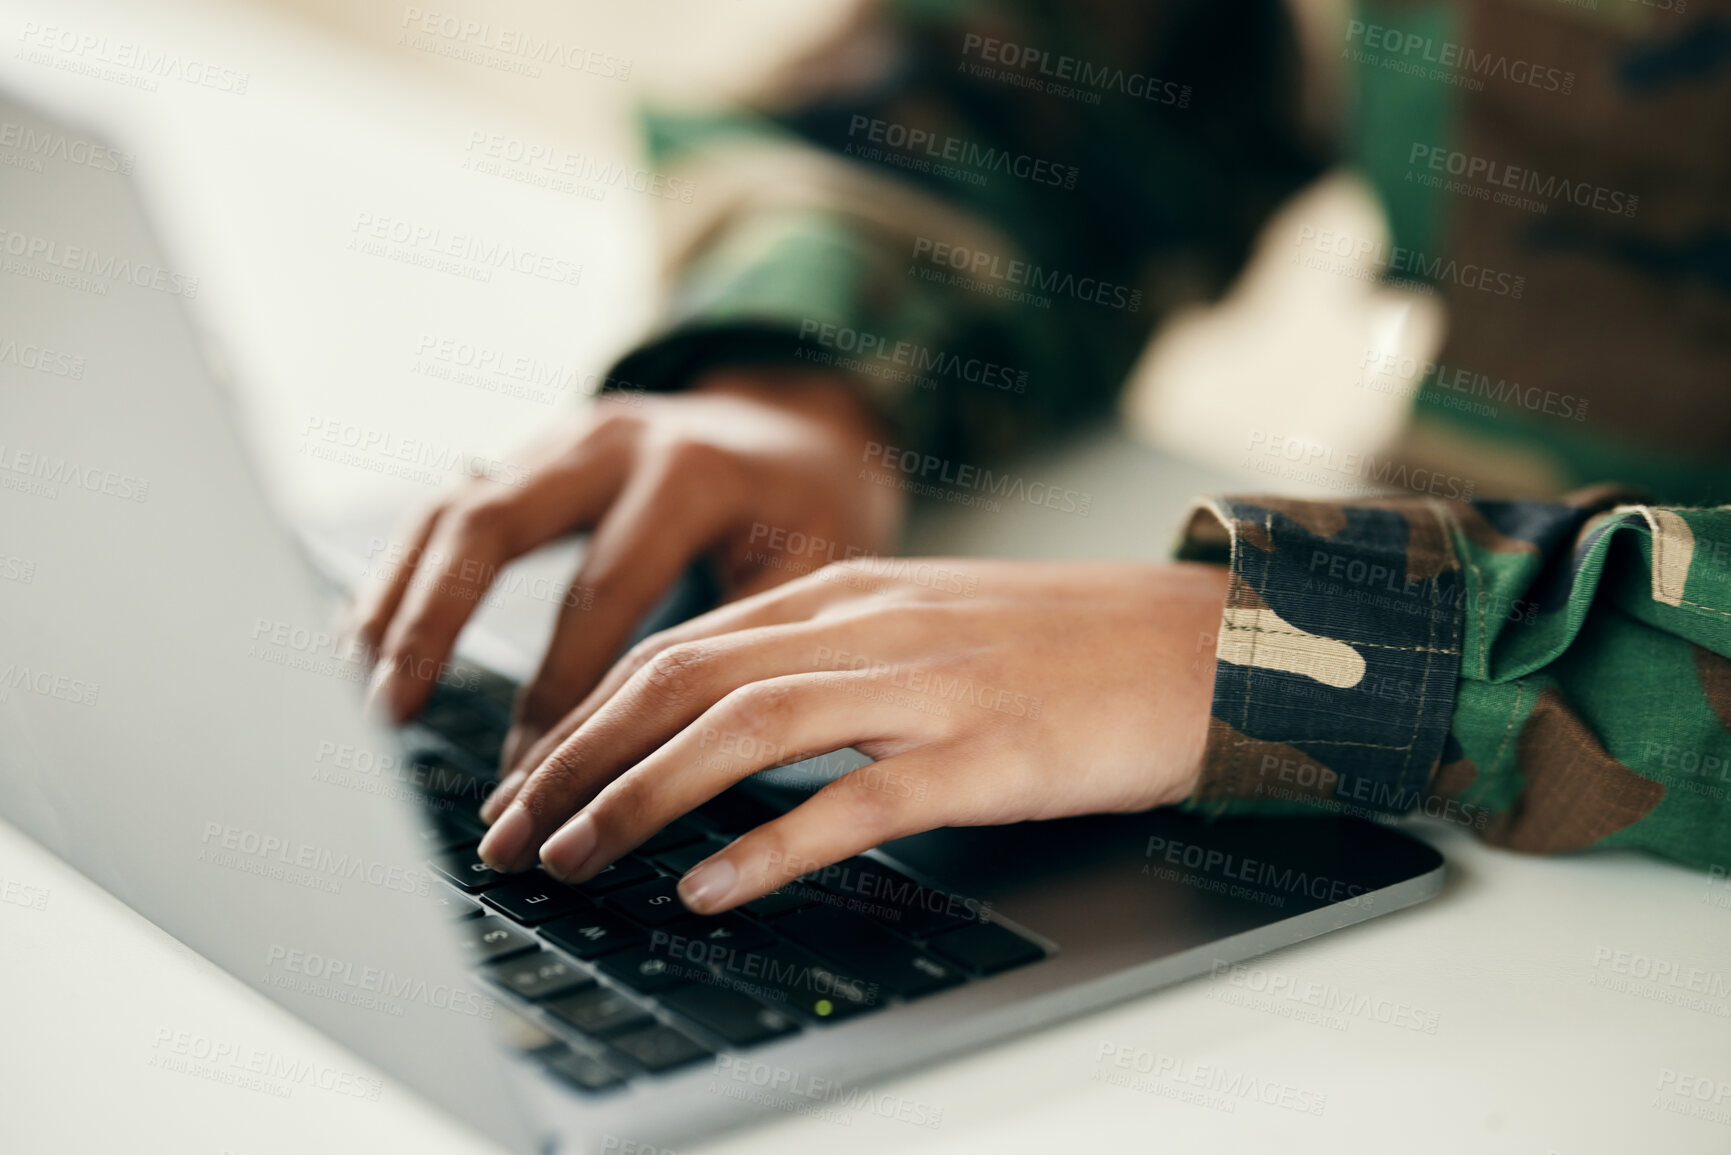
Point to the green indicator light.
(823, 1007)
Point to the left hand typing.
(986, 691)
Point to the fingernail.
(501, 794)
(707, 887)
(570, 847)
(507, 838)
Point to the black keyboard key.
(592, 934)
(585, 1072)
(741, 1020)
(465, 870)
(644, 969)
(539, 976)
(865, 949)
(442, 830)
(704, 937)
(799, 980)
(986, 948)
(776, 903)
(615, 875)
(654, 903)
(453, 903)
(734, 811)
(488, 940)
(460, 787)
(660, 1048)
(533, 898)
(685, 857)
(677, 833)
(485, 744)
(600, 1012)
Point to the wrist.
(829, 398)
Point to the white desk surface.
(1570, 1006)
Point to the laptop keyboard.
(615, 981)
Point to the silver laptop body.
(172, 700)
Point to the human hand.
(661, 480)
(986, 691)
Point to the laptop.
(179, 722)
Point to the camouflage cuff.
(1338, 653)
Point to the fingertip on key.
(572, 845)
(506, 840)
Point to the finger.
(373, 607)
(798, 601)
(664, 517)
(765, 724)
(850, 815)
(486, 526)
(663, 698)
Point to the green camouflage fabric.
(979, 211)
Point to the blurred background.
(339, 124)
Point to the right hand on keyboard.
(738, 469)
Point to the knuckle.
(477, 520)
(691, 457)
(549, 785)
(758, 709)
(679, 668)
(877, 813)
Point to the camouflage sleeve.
(976, 211)
(1554, 676)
